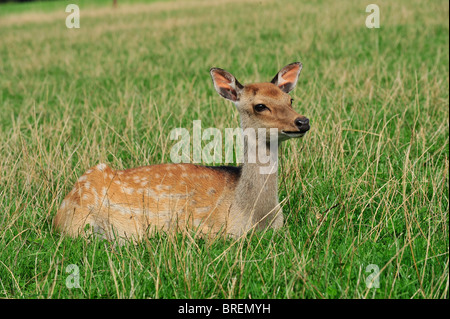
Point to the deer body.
(134, 202)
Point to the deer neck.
(257, 190)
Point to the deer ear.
(226, 84)
(286, 78)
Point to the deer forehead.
(265, 92)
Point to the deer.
(231, 200)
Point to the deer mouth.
(293, 134)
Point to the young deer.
(133, 202)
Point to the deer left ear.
(286, 78)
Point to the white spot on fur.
(82, 178)
(125, 209)
(101, 166)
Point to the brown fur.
(139, 200)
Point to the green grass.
(367, 185)
(45, 6)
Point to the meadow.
(368, 186)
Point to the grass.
(46, 6)
(367, 185)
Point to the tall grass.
(367, 185)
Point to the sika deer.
(133, 202)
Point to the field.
(368, 186)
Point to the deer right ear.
(226, 84)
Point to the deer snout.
(302, 124)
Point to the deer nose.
(302, 124)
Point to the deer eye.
(292, 101)
(260, 107)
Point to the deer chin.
(292, 134)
